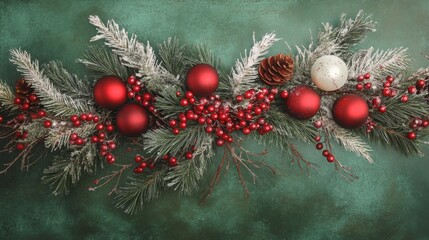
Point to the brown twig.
(106, 179)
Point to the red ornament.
(110, 92)
(132, 120)
(350, 111)
(202, 80)
(303, 102)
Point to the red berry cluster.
(138, 93)
(416, 125)
(220, 119)
(78, 120)
(361, 85)
(25, 103)
(370, 125)
(319, 145)
(418, 87)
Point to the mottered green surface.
(389, 201)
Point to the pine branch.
(7, 97)
(161, 141)
(399, 114)
(59, 136)
(64, 173)
(379, 63)
(104, 62)
(69, 84)
(332, 41)
(172, 55)
(350, 141)
(54, 101)
(246, 69)
(133, 53)
(396, 139)
(186, 176)
(139, 189)
(168, 103)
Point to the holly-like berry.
(326, 153)
(220, 142)
(420, 83)
(100, 127)
(360, 78)
(138, 158)
(425, 123)
(1, 119)
(20, 146)
(382, 109)
(359, 86)
(189, 155)
(175, 131)
(390, 79)
(94, 139)
(33, 98)
(317, 138)
(47, 123)
(317, 124)
(367, 76)
(319, 146)
(284, 94)
(330, 158)
(412, 89)
(138, 170)
(411, 135)
(404, 98)
(172, 162)
(387, 92)
(368, 85)
(132, 80)
(184, 102)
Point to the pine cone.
(276, 70)
(22, 89)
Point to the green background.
(389, 201)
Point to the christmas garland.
(177, 105)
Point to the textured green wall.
(388, 202)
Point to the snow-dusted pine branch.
(379, 63)
(6, 97)
(53, 100)
(333, 41)
(133, 53)
(246, 69)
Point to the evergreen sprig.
(101, 61)
(139, 189)
(168, 103)
(173, 56)
(7, 97)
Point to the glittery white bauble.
(329, 73)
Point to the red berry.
(360, 78)
(386, 92)
(246, 131)
(184, 102)
(359, 86)
(138, 158)
(172, 123)
(412, 89)
(138, 170)
(420, 83)
(95, 119)
(284, 94)
(41, 113)
(100, 127)
(47, 123)
(147, 96)
(112, 145)
(74, 118)
(209, 129)
(25, 106)
(130, 94)
(79, 141)
(325, 153)
(131, 80)
(239, 98)
(189, 155)
(411, 135)
(1, 119)
(382, 109)
(20, 146)
(425, 123)
(220, 142)
(317, 138)
(102, 135)
(189, 94)
(368, 86)
(317, 124)
(367, 76)
(330, 158)
(201, 120)
(17, 101)
(143, 165)
(390, 79)
(110, 128)
(319, 146)
(175, 131)
(257, 110)
(172, 161)
(178, 93)
(83, 117)
(182, 125)
(136, 88)
(376, 101)
(386, 84)
(404, 98)
(73, 136)
(94, 139)
(20, 118)
(33, 98)
(248, 94)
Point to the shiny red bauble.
(110, 92)
(303, 102)
(202, 80)
(132, 120)
(350, 111)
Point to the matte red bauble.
(202, 80)
(350, 111)
(303, 102)
(110, 92)
(132, 120)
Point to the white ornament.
(329, 73)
